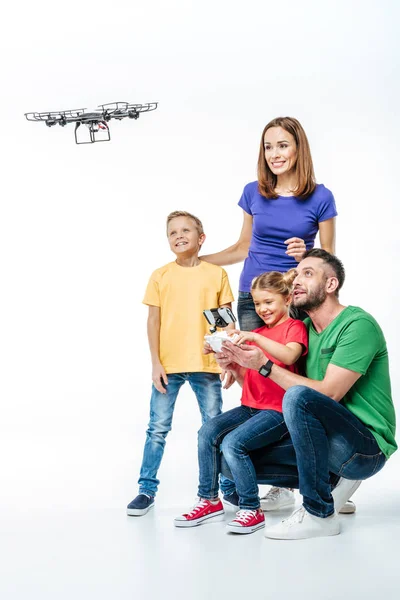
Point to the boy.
(176, 295)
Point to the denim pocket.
(362, 466)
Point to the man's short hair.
(329, 259)
(183, 213)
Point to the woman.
(282, 213)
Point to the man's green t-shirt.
(355, 341)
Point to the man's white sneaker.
(343, 492)
(348, 509)
(302, 525)
(277, 498)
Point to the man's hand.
(229, 378)
(249, 357)
(295, 247)
(159, 377)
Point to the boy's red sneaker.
(204, 510)
(247, 521)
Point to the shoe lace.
(244, 516)
(296, 517)
(273, 493)
(197, 507)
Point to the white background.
(82, 227)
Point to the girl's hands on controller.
(244, 336)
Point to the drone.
(96, 120)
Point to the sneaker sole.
(301, 535)
(244, 530)
(138, 512)
(348, 509)
(218, 516)
(269, 508)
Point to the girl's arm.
(239, 251)
(158, 374)
(288, 354)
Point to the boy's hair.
(183, 213)
(331, 260)
(280, 283)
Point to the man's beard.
(313, 299)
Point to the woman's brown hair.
(280, 283)
(304, 166)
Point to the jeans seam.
(330, 409)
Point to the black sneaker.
(140, 505)
(232, 500)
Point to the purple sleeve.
(244, 201)
(327, 207)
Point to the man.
(340, 417)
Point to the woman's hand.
(295, 247)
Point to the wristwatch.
(265, 370)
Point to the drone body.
(96, 120)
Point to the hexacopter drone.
(96, 120)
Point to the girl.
(258, 422)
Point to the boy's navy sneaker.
(231, 501)
(140, 505)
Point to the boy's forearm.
(153, 335)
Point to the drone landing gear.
(95, 131)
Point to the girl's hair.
(183, 213)
(279, 283)
(304, 166)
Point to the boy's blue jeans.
(235, 433)
(207, 389)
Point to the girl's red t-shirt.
(260, 392)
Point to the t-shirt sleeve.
(244, 202)
(225, 294)
(152, 293)
(297, 332)
(357, 346)
(327, 207)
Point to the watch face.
(265, 370)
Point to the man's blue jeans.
(327, 439)
(207, 389)
(235, 433)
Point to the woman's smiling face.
(280, 150)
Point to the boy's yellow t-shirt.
(182, 293)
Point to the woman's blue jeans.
(207, 389)
(235, 433)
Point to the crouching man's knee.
(293, 400)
